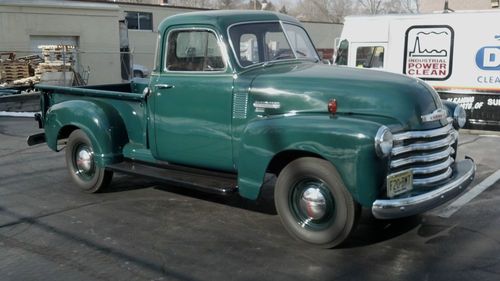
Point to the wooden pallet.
(15, 76)
(11, 63)
(13, 70)
(11, 66)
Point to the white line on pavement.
(468, 196)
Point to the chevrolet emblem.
(435, 115)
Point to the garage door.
(53, 40)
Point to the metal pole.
(447, 7)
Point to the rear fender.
(346, 142)
(101, 122)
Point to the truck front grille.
(428, 154)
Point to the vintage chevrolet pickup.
(236, 95)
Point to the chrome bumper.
(463, 175)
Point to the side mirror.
(325, 61)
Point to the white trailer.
(457, 53)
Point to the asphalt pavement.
(145, 230)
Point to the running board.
(206, 181)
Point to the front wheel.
(82, 168)
(313, 203)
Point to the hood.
(307, 87)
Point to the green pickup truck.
(236, 95)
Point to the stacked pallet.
(32, 61)
(58, 53)
(55, 66)
(11, 70)
(56, 58)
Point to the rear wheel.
(314, 204)
(81, 164)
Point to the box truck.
(456, 53)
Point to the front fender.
(100, 121)
(348, 143)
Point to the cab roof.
(223, 18)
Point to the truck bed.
(125, 101)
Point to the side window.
(139, 20)
(370, 57)
(193, 50)
(301, 44)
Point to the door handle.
(164, 86)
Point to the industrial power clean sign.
(429, 52)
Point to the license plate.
(399, 183)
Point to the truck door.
(367, 55)
(192, 101)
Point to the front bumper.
(463, 175)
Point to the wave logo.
(432, 37)
(488, 58)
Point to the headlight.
(383, 142)
(459, 116)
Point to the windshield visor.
(255, 43)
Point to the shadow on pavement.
(264, 204)
(372, 231)
(124, 182)
(114, 252)
(369, 231)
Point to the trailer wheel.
(81, 164)
(314, 204)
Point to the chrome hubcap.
(84, 160)
(313, 203)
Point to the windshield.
(255, 43)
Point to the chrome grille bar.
(434, 179)
(449, 140)
(423, 134)
(433, 168)
(422, 158)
